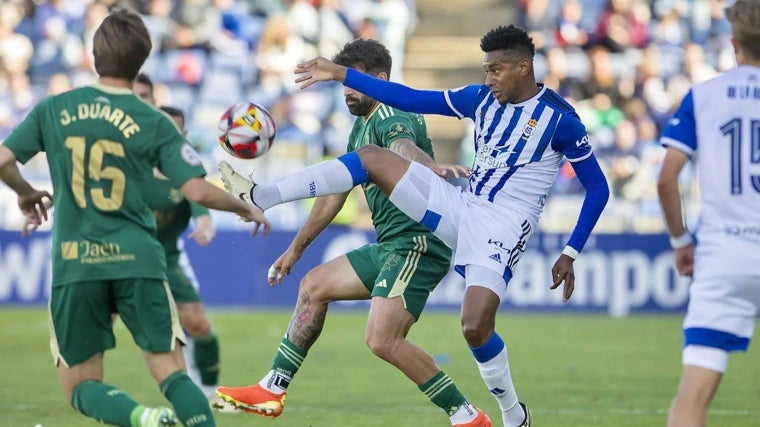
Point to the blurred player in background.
(397, 273)
(173, 213)
(523, 130)
(718, 127)
(101, 144)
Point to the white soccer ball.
(246, 130)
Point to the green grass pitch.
(572, 370)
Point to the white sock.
(329, 177)
(498, 379)
(208, 390)
(192, 369)
(464, 414)
(270, 381)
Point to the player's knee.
(371, 155)
(313, 288)
(476, 332)
(382, 345)
(197, 325)
(694, 398)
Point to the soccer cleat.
(236, 184)
(159, 417)
(480, 420)
(255, 399)
(525, 423)
(220, 406)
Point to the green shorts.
(409, 267)
(81, 324)
(180, 284)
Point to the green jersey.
(172, 212)
(383, 126)
(101, 145)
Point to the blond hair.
(744, 16)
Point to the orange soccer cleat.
(481, 420)
(255, 399)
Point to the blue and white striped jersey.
(518, 147)
(718, 126)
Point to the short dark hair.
(173, 111)
(368, 54)
(144, 79)
(507, 38)
(120, 45)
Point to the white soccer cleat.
(236, 184)
(159, 417)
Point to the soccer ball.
(246, 130)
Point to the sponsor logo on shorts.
(496, 257)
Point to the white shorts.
(479, 232)
(722, 312)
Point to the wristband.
(571, 252)
(681, 241)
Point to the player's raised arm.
(390, 93)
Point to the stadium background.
(624, 64)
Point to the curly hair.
(370, 55)
(507, 38)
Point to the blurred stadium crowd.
(624, 64)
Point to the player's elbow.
(603, 193)
(666, 184)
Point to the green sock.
(206, 355)
(442, 391)
(103, 402)
(288, 359)
(189, 402)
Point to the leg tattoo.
(307, 322)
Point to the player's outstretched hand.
(33, 205)
(204, 231)
(319, 70)
(255, 215)
(282, 265)
(30, 224)
(448, 171)
(563, 271)
(29, 227)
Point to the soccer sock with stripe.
(103, 402)
(329, 177)
(190, 404)
(206, 355)
(442, 391)
(284, 367)
(493, 364)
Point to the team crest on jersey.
(529, 128)
(189, 155)
(175, 195)
(397, 129)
